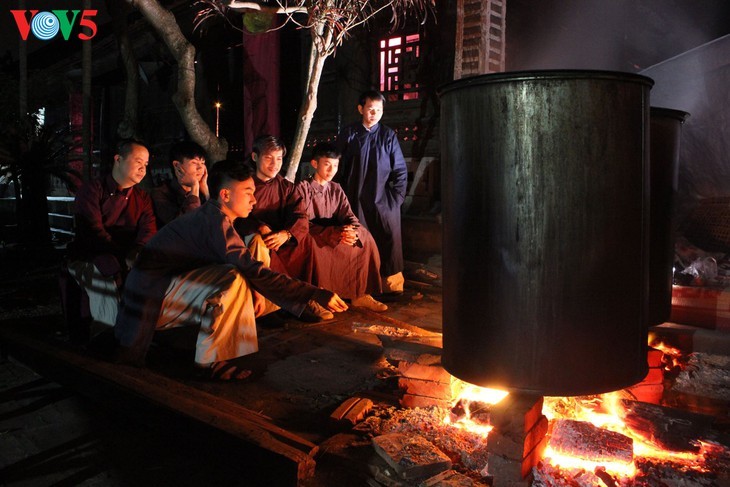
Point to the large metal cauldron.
(545, 181)
(666, 129)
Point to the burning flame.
(672, 355)
(475, 396)
(606, 411)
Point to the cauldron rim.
(680, 115)
(543, 75)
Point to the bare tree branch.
(329, 23)
(166, 25)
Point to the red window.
(399, 57)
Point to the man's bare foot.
(224, 371)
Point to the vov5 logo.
(46, 25)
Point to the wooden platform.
(301, 374)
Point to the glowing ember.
(606, 411)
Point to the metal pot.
(666, 130)
(545, 184)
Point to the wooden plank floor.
(301, 373)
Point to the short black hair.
(370, 95)
(124, 146)
(186, 149)
(225, 171)
(325, 149)
(267, 143)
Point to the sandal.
(224, 371)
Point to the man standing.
(189, 187)
(201, 252)
(374, 177)
(114, 219)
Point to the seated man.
(198, 268)
(277, 231)
(114, 219)
(189, 186)
(346, 257)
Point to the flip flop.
(224, 371)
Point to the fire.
(474, 397)
(606, 411)
(672, 355)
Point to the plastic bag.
(704, 268)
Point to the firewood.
(583, 440)
(411, 456)
(671, 429)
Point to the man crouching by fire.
(197, 271)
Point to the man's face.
(189, 170)
(325, 168)
(371, 112)
(237, 199)
(132, 168)
(268, 164)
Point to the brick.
(654, 357)
(440, 390)
(351, 411)
(503, 469)
(411, 401)
(655, 375)
(434, 373)
(411, 455)
(516, 445)
(534, 456)
(651, 393)
(518, 411)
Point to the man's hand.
(334, 304)
(259, 304)
(275, 240)
(204, 184)
(187, 180)
(348, 235)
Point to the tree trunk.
(318, 54)
(128, 127)
(166, 25)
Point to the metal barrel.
(545, 188)
(665, 131)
